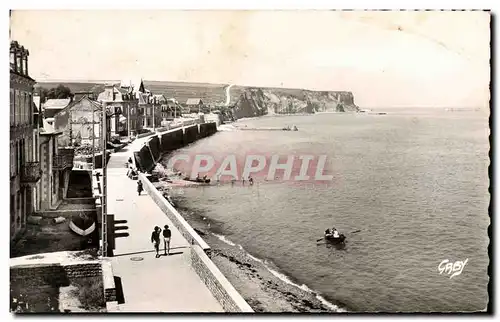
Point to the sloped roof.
(48, 129)
(56, 103)
(107, 96)
(159, 98)
(193, 101)
(143, 99)
(36, 101)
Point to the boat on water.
(335, 240)
(82, 225)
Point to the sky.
(387, 59)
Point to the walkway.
(165, 284)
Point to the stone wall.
(207, 129)
(33, 280)
(154, 146)
(211, 276)
(179, 222)
(217, 283)
(169, 141)
(190, 134)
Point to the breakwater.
(158, 144)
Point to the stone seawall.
(217, 283)
(179, 222)
(165, 142)
(145, 160)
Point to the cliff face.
(260, 101)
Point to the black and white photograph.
(250, 161)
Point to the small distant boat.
(333, 240)
(81, 224)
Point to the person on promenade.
(155, 239)
(139, 187)
(167, 234)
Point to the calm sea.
(414, 182)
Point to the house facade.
(122, 106)
(194, 105)
(57, 164)
(75, 123)
(25, 169)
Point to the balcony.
(31, 172)
(62, 162)
(64, 159)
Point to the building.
(140, 95)
(195, 105)
(25, 169)
(57, 164)
(122, 105)
(53, 106)
(153, 115)
(75, 123)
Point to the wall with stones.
(217, 283)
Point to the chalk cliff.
(249, 102)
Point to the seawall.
(146, 158)
(158, 144)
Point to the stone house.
(25, 170)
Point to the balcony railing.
(31, 172)
(63, 161)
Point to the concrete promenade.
(165, 284)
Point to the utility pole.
(104, 204)
(154, 112)
(93, 142)
(128, 120)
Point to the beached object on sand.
(82, 225)
(34, 220)
(59, 220)
(198, 180)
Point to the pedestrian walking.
(167, 234)
(139, 187)
(155, 239)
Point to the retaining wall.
(150, 153)
(179, 222)
(154, 146)
(211, 276)
(190, 134)
(33, 280)
(217, 283)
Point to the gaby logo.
(454, 269)
(303, 168)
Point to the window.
(16, 108)
(30, 109)
(11, 163)
(23, 108)
(12, 60)
(54, 187)
(18, 64)
(12, 111)
(25, 65)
